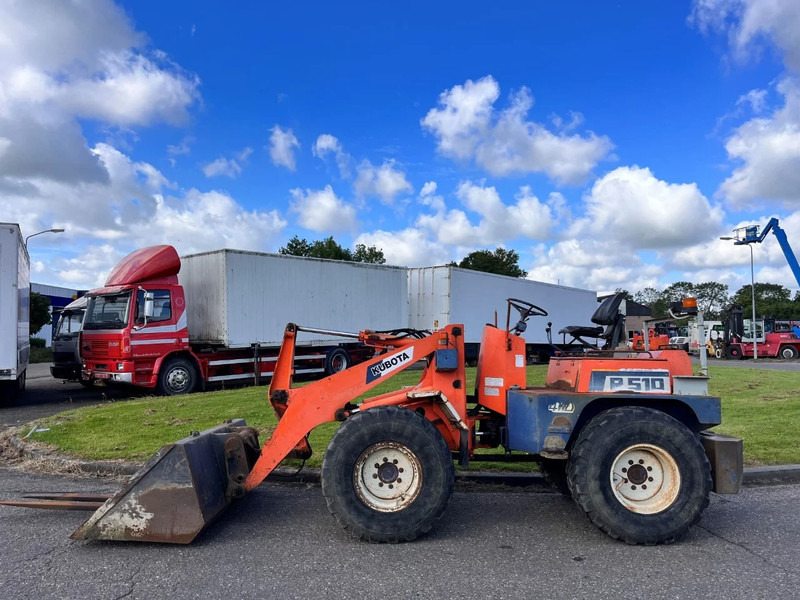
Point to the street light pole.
(753, 298)
(753, 328)
(54, 230)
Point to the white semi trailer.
(15, 299)
(439, 296)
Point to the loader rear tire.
(788, 352)
(555, 473)
(387, 475)
(640, 475)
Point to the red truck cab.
(137, 323)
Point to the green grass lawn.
(762, 407)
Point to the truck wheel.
(733, 352)
(177, 376)
(337, 361)
(788, 352)
(639, 475)
(555, 473)
(387, 475)
(21, 382)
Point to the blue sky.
(609, 143)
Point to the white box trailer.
(439, 296)
(15, 286)
(236, 299)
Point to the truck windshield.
(69, 322)
(108, 312)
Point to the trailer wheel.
(639, 475)
(788, 352)
(337, 361)
(177, 376)
(387, 475)
(733, 352)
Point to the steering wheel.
(527, 309)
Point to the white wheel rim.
(178, 378)
(645, 479)
(387, 477)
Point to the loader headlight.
(120, 366)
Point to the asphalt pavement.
(280, 542)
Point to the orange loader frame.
(440, 394)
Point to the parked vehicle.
(737, 339)
(438, 296)
(176, 325)
(629, 437)
(67, 362)
(15, 302)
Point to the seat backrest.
(608, 310)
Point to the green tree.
(712, 297)
(772, 300)
(330, 248)
(40, 312)
(501, 261)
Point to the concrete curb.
(753, 476)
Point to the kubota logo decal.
(389, 364)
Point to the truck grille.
(99, 347)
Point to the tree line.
(713, 298)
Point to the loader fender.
(546, 423)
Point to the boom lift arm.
(752, 236)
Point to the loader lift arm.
(301, 409)
(752, 236)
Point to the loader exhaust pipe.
(180, 490)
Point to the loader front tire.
(177, 376)
(640, 475)
(387, 475)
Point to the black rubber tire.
(555, 473)
(733, 352)
(337, 361)
(177, 376)
(357, 436)
(788, 352)
(87, 383)
(603, 440)
(21, 381)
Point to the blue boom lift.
(752, 236)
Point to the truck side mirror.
(149, 306)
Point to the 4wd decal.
(652, 381)
(389, 364)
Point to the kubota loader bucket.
(180, 490)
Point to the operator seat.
(611, 324)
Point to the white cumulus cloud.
(322, 211)
(282, 144)
(327, 144)
(504, 142)
(384, 182)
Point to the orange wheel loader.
(626, 434)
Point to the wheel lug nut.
(391, 486)
(377, 466)
(374, 475)
(394, 461)
(399, 480)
